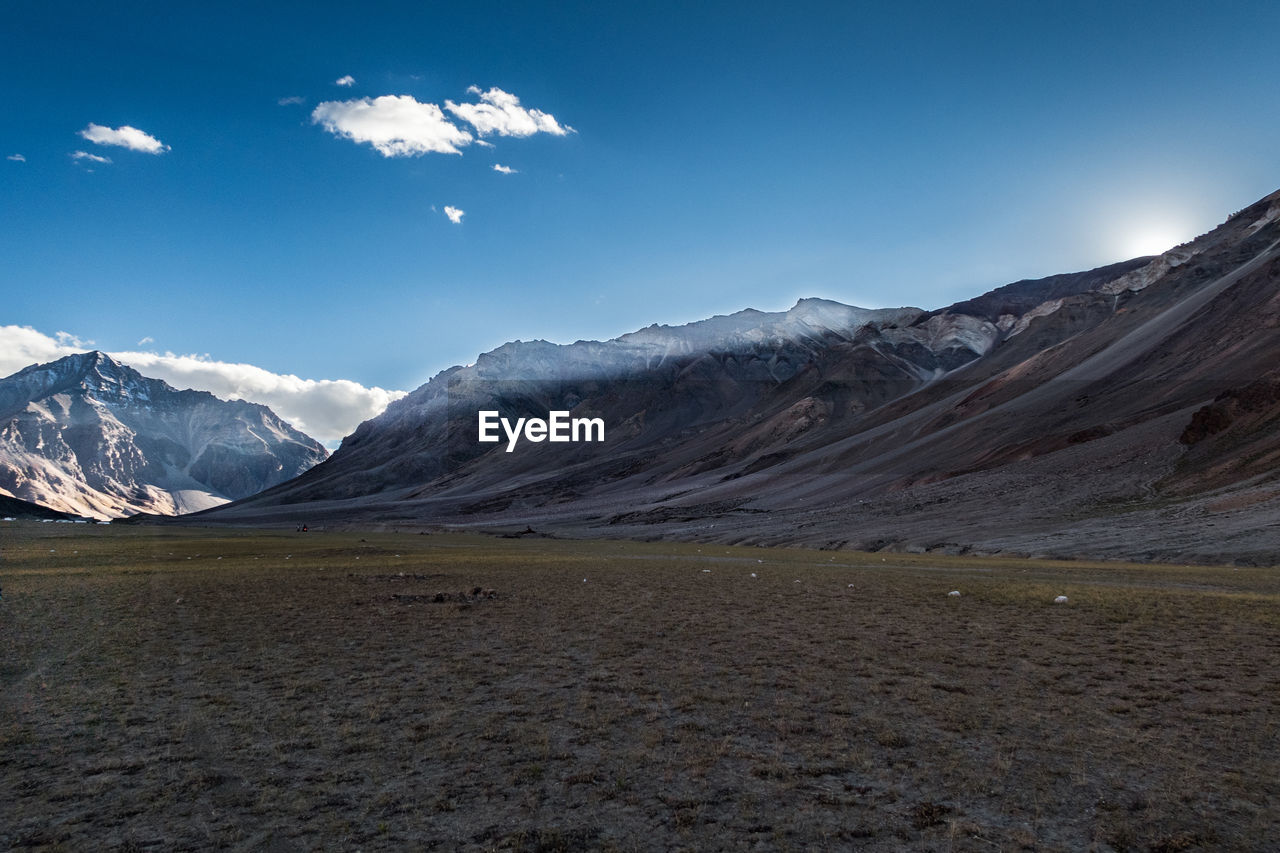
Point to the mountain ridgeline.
(1127, 411)
(90, 436)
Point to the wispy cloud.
(326, 409)
(124, 137)
(346, 81)
(66, 339)
(455, 215)
(395, 125)
(17, 158)
(92, 158)
(291, 100)
(147, 340)
(506, 170)
(500, 112)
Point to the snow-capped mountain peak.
(89, 435)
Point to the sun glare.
(1152, 243)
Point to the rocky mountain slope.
(90, 436)
(13, 509)
(1129, 411)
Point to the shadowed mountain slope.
(19, 509)
(1129, 411)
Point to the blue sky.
(722, 156)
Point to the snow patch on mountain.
(1272, 214)
(809, 318)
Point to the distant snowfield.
(191, 500)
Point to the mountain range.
(89, 436)
(1131, 411)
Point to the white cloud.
(506, 170)
(92, 158)
(292, 99)
(455, 215)
(147, 340)
(395, 125)
(21, 346)
(67, 339)
(402, 126)
(500, 112)
(125, 137)
(325, 409)
(17, 158)
(346, 81)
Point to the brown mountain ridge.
(1126, 412)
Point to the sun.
(1151, 224)
(1152, 242)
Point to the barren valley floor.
(188, 688)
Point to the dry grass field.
(169, 688)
